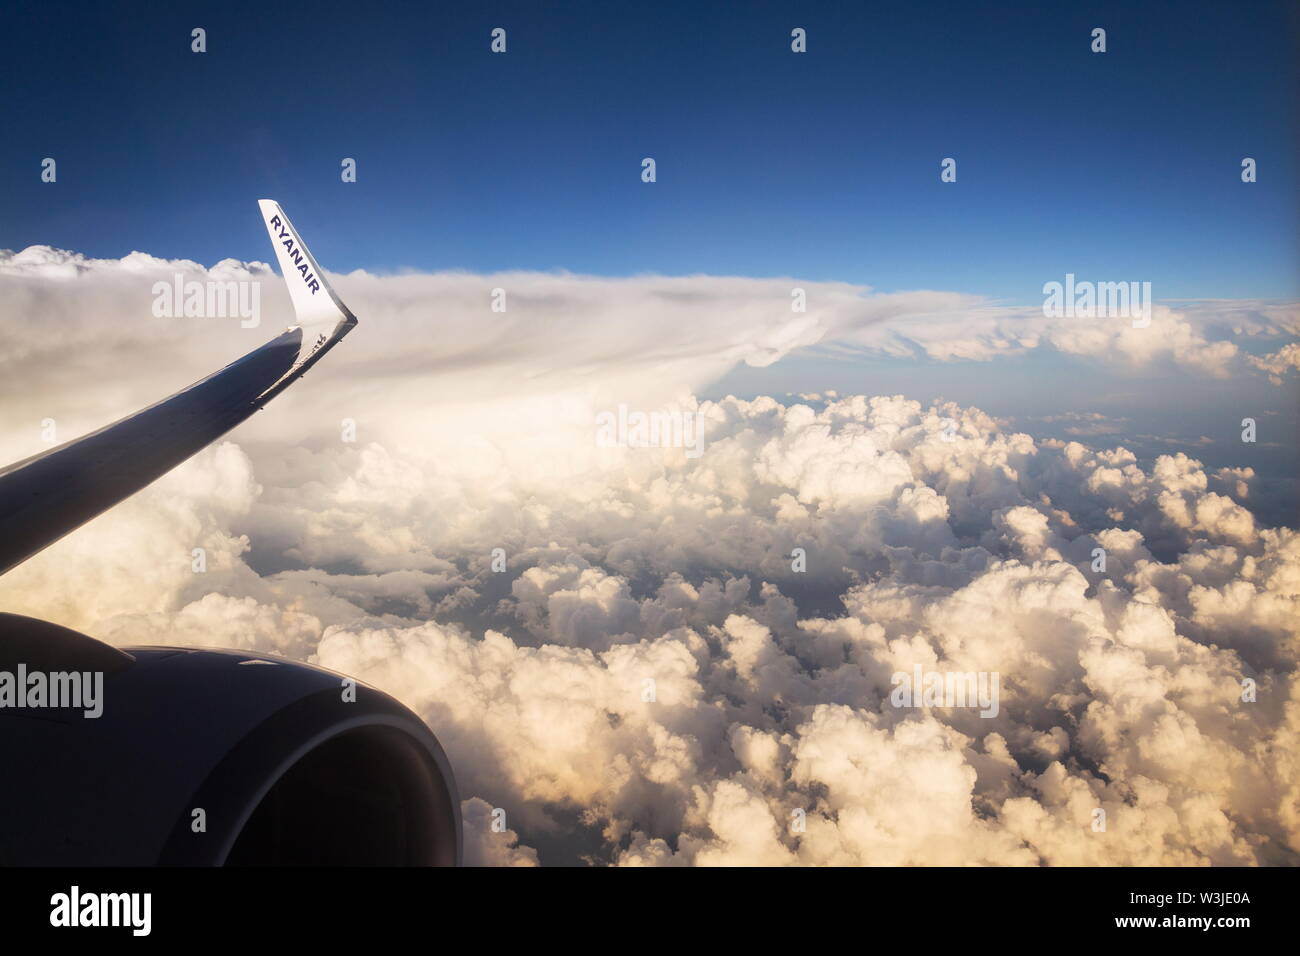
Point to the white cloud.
(1279, 363)
(650, 681)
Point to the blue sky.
(351, 523)
(1123, 165)
(821, 166)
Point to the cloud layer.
(689, 661)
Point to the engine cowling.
(212, 757)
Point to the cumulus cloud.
(645, 658)
(1277, 364)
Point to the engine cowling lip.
(236, 785)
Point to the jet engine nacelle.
(214, 757)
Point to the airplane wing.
(45, 497)
(288, 770)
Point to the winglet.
(314, 302)
(44, 497)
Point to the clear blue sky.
(822, 165)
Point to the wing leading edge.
(49, 495)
